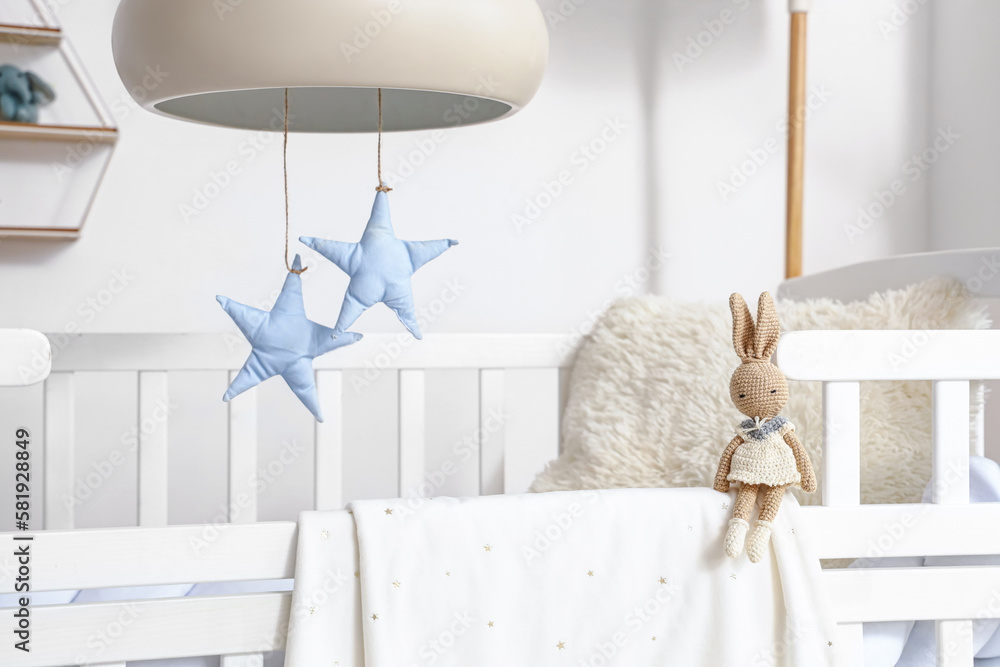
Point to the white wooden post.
(242, 660)
(242, 456)
(841, 444)
(842, 473)
(242, 494)
(978, 446)
(950, 430)
(153, 408)
(954, 644)
(412, 431)
(58, 473)
(329, 477)
(532, 425)
(950, 486)
(491, 440)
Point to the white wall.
(966, 77)
(653, 190)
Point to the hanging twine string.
(285, 153)
(382, 187)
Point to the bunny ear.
(743, 328)
(768, 330)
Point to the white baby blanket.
(630, 577)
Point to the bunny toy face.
(758, 387)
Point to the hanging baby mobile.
(284, 341)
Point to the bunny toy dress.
(764, 457)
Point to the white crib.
(518, 376)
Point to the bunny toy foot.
(759, 538)
(736, 536)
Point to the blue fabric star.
(284, 343)
(380, 267)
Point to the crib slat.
(60, 443)
(154, 629)
(977, 393)
(241, 660)
(841, 443)
(954, 644)
(242, 494)
(412, 431)
(242, 456)
(491, 436)
(330, 441)
(950, 430)
(532, 438)
(153, 408)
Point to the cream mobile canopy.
(440, 63)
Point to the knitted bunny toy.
(765, 457)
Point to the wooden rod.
(796, 146)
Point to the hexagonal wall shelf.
(50, 171)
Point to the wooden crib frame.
(242, 627)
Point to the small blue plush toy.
(284, 342)
(21, 93)
(380, 267)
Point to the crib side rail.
(63, 560)
(175, 352)
(954, 597)
(25, 357)
(519, 378)
(518, 410)
(112, 633)
(860, 355)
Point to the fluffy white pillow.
(649, 401)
